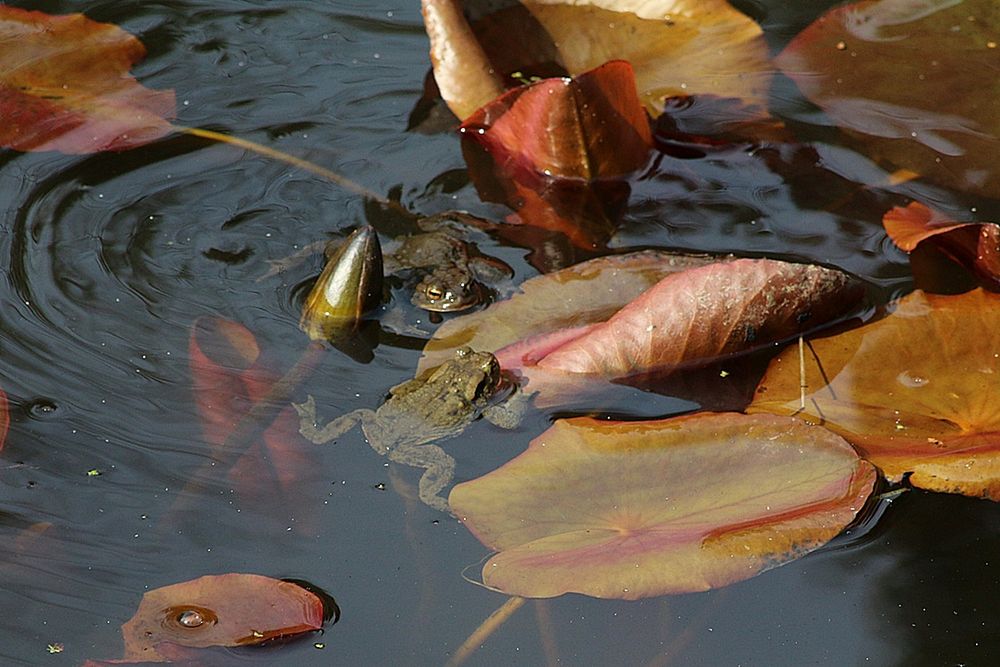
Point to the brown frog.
(422, 411)
(454, 274)
(451, 274)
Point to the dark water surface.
(111, 257)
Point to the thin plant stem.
(546, 633)
(485, 629)
(288, 158)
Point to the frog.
(452, 275)
(420, 412)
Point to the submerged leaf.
(220, 610)
(64, 86)
(637, 509)
(916, 392)
(228, 380)
(677, 47)
(974, 245)
(914, 81)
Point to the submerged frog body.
(424, 410)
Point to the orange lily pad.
(64, 86)
(676, 47)
(637, 509)
(218, 610)
(974, 245)
(912, 81)
(915, 392)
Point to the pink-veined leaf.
(637, 509)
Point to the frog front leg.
(439, 470)
(336, 428)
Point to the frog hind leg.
(439, 470)
(339, 426)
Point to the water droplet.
(908, 379)
(191, 618)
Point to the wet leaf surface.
(974, 245)
(218, 610)
(908, 79)
(554, 151)
(915, 392)
(64, 86)
(577, 327)
(672, 506)
(677, 47)
(578, 295)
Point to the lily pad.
(219, 610)
(64, 86)
(637, 509)
(568, 335)
(581, 294)
(677, 47)
(916, 392)
(974, 245)
(555, 151)
(913, 81)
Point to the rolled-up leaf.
(349, 287)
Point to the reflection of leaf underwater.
(914, 392)
(637, 509)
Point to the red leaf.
(558, 147)
(700, 315)
(64, 86)
(228, 380)
(221, 610)
(974, 245)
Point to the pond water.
(111, 257)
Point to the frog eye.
(434, 293)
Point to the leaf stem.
(485, 629)
(288, 158)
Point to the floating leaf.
(64, 86)
(912, 80)
(637, 509)
(218, 610)
(915, 392)
(581, 294)
(677, 47)
(228, 380)
(702, 314)
(556, 149)
(975, 245)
